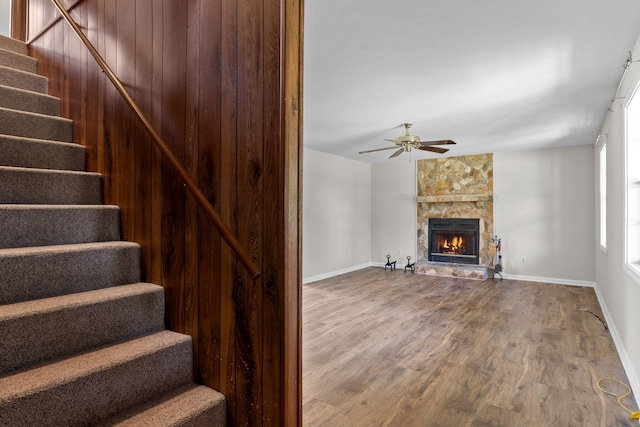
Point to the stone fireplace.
(459, 188)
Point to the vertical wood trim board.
(19, 19)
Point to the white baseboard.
(569, 282)
(335, 273)
(632, 375)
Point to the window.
(603, 196)
(632, 155)
(5, 18)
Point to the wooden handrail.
(227, 236)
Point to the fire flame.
(454, 245)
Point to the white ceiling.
(493, 75)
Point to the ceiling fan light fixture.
(407, 142)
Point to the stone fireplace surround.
(455, 187)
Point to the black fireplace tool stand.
(496, 268)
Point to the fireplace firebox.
(454, 240)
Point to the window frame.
(632, 137)
(602, 163)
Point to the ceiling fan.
(407, 142)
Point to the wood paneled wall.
(221, 80)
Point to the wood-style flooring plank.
(389, 348)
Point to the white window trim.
(631, 268)
(603, 200)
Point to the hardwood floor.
(384, 348)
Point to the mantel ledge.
(453, 198)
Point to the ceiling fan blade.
(433, 149)
(391, 140)
(397, 153)
(377, 149)
(442, 142)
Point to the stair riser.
(17, 99)
(67, 325)
(13, 45)
(35, 153)
(91, 398)
(33, 273)
(19, 62)
(37, 186)
(23, 80)
(24, 226)
(38, 126)
(192, 406)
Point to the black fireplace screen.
(454, 240)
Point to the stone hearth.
(466, 271)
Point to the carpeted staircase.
(82, 340)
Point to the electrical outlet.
(523, 260)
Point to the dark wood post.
(19, 19)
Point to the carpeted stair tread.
(18, 61)
(34, 125)
(24, 100)
(51, 328)
(23, 80)
(191, 406)
(46, 225)
(88, 388)
(29, 273)
(48, 186)
(41, 154)
(81, 338)
(13, 45)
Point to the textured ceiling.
(493, 75)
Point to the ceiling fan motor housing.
(408, 138)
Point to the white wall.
(618, 292)
(5, 18)
(544, 213)
(543, 210)
(393, 212)
(336, 234)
